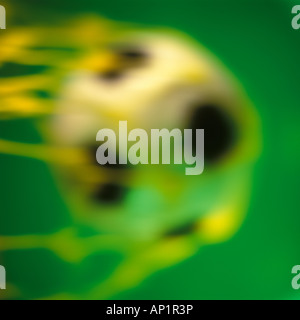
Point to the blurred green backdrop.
(256, 42)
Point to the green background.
(256, 42)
